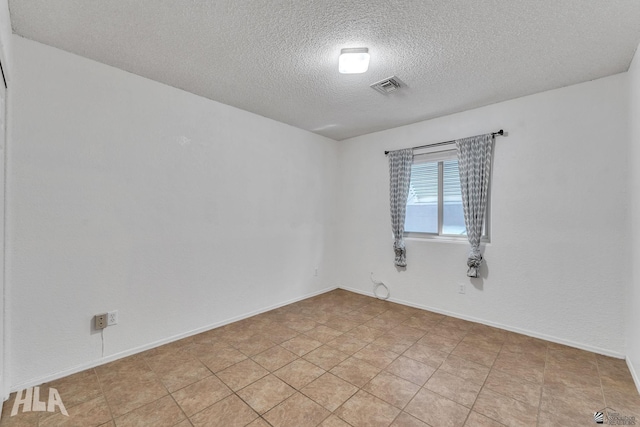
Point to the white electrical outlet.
(112, 318)
(462, 288)
(315, 272)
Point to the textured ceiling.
(278, 58)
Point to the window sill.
(424, 237)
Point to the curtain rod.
(500, 132)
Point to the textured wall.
(177, 211)
(556, 266)
(5, 58)
(633, 320)
(5, 37)
(120, 197)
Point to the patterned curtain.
(474, 162)
(400, 176)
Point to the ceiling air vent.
(388, 85)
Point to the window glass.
(422, 203)
(452, 213)
(434, 205)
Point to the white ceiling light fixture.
(353, 60)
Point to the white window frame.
(440, 154)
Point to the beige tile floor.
(343, 359)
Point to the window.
(434, 205)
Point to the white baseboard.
(57, 375)
(634, 375)
(499, 325)
(101, 361)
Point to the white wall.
(183, 213)
(633, 320)
(556, 266)
(178, 211)
(5, 38)
(5, 58)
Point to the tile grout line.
(357, 387)
(171, 393)
(544, 375)
(604, 397)
(165, 387)
(484, 383)
(95, 372)
(420, 387)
